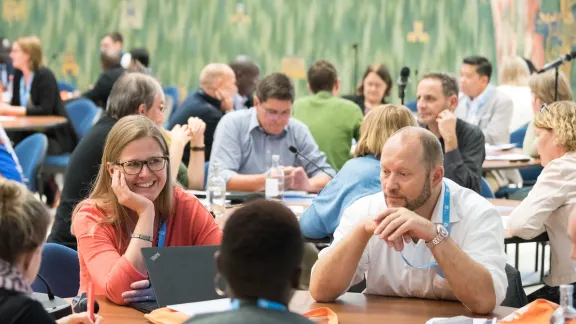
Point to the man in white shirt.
(395, 238)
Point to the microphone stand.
(556, 83)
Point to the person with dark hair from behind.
(111, 72)
(531, 66)
(482, 104)
(260, 257)
(24, 222)
(334, 137)
(247, 73)
(373, 89)
(138, 59)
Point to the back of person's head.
(129, 92)
(382, 71)
(31, 46)
(24, 222)
(482, 65)
(127, 130)
(322, 76)
(378, 125)
(514, 71)
(247, 73)
(447, 82)
(542, 86)
(275, 86)
(212, 73)
(261, 251)
(140, 55)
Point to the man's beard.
(422, 198)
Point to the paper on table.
(505, 209)
(7, 118)
(460, 320)
(508, 157)
(208, 306)
(298, 210)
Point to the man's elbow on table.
(323, 290)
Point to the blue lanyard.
(262, 303)
(25, 90)
(445, 223)
(162, 235)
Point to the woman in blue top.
(9, 166)
(360, 176)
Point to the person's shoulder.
(237, 119)
(500, 97)
(347, 105)
(18, 308)
(468, 130)
(43, 71)
(368, 204)
(87, 214)
(562, 168)
(183, 198)
(361, 165)
(468, 203)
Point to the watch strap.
(142, 237)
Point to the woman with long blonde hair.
(134, 204)
(360, 176)
(513, 78)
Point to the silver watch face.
(442, 231)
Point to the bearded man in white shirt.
(422, 236)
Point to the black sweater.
(17, 308)
(44, 101)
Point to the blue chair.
(61, 270)
(31, 153)
(172, 92)
(65, 86)
(412, 105)
(517, 136)
(83, 114)
(485, 190)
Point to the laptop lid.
(181, 274)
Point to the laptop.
(179, 275)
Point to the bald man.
(210, 102)
(423, 236)
(247, 74)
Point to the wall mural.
(184, 35)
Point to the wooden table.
(350, 308)
(502, 165)
(32, 123)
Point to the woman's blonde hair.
(560, 117)
(31, 46)
(378, 125)
(542, 86)
(514, 71)
(24, 221)
(125, 131)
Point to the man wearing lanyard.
(481, 104)
(423, 236)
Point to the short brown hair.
(115, 36)
(382, 72)
(560, 117)
(448, 82)
(31, 46)
(322, 76)
(378, 125)
(275, 86)
(24, 221)
(542, 86)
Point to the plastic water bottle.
(565, 314)
(216, 192)
(275, 180)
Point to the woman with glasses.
(134, 205)
(552, 200)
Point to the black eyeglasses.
(156, 163)
(544, 107)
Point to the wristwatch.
(142, 237)
(442, 234)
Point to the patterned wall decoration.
(185, 35)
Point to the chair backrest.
(31, 153)
(65, 86)
(173, 93)
(485, 190)
(206, 169)
(517, 136)
(515, 294)
(412, 105)
(83, 115)
(61, 270)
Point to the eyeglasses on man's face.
(134, 167)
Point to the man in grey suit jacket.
(481, 104)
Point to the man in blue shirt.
(209, 103)
(245, 141)
(9, 166)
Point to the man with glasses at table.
(423, 236)
(245, 141)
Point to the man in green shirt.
(333, 121)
